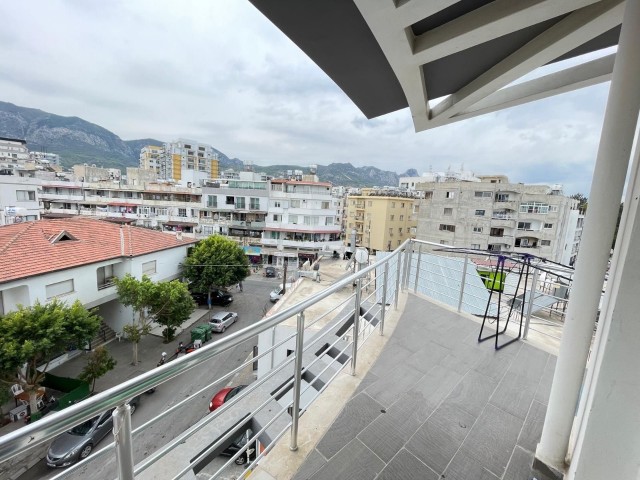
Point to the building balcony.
(306, 244)
(62, 197)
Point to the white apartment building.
(496, 215)
(45, 157)
(236, 207)
(13, 149)
(302, 220)
(19, 199)
(185, 162)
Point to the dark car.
(269, 272)
(77, 443)
(218, 297)
(240, 443)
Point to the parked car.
(278, 292)
(238, 444)
(218, 297)
(221, 320)
(77, 443)
(223, 396)
(270, 272)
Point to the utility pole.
(284, 283)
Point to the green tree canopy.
(215, 262)
(99, 363)
(31, 336)
(583, 201)
(168, 303)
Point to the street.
(250, 304)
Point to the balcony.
(63, 197)
(412, 376)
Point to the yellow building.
(382, 218)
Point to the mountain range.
(78, 141)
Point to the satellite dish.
(362, 256)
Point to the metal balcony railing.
(446, 274)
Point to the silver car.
(77, 443)
(221, 320)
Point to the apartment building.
(185, 162)
(92, 173)
(302, 220)
(236, 205)
(45, 157)
(19, 199)
(381, 218)
(490, 213)
(13, 149)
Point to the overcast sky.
(221, 73)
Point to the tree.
(168, 303)
(215, 262)
(31, 336)
(99, 363)
(583, 202)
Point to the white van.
(278, 292)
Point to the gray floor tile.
(427, 357)
(433, 446)
(494, 364)
(465, 467)
(354, 462)
(532, 428)
(472, 393)
(406, 466)
(384, 437)
(492, 439)
(452, 420)
(311, 465)
(529, 365)
(369, 379)
(387, 389)
(513, 397)
(391, 358)
(434, 387)
(358, 413)
(544, 388)
(519, 466)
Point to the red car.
(223, 396)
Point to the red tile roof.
(26, 249)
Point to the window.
(402, 205)
(105, 276)
(325, 205)
(477, 229)
(392, 217)
(212, 201)
(448, 212)
(502, 197)
(230, 201)
(25, 195)
(254, 203)
(182, 212)
(475, 246)
(295, 203)
(277, 218)
(479, 213)
(496, 232)
(329, 221)
(548, 225)
(524, 225)
(240, 202)
(293, 219)
(401, 218)
(311, 220)
(393, 204)
(428, 195)
(534, 207)
(444, 242)
(369, 203)
(545, 243)
(400, 231)
(447, 228)
(482, 194)
(450, 194)
(553, 208)
(149, 268)
(60, 288)
(277, 204)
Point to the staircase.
(105, 335)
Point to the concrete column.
(608, 182)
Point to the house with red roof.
(77, 258)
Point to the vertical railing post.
(464, 277)
(297, 383)
(407, 266)
(356, 327)
(385, 278)
(415, 284)
(532, 297)
(123, 441)
(398, 264)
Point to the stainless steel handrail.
(48, 427)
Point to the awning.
(119, 204)
(180, 224)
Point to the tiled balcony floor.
(437, 404)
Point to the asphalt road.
(251, 304)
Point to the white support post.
(612, 162)
(124, 444)
(297, 383)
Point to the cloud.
(221, 73)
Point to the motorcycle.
(162, 360)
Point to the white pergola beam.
(487, 23)
(573, 78)
(412, 11)
(564, 36)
